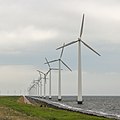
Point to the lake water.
(104, 105)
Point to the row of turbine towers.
(38, 83)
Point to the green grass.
(45, 113)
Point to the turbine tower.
(79, 41)
(50, 69)
(59, 82)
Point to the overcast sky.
(31, 30)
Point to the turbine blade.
(47, 62)
(66, 65)
(62, 51)
(40, 71)
(54, 69)
(81, 30)
(52, 61)
(48, 72)
(90, 48)
(67, 44)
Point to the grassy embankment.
(44, 113)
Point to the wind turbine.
(35, 87)
(31, 89)
(40, 80)
(50, 76)
(79, 41)
(60, 61)
(37, 83)
(45, 75)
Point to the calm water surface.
(102, 104)
(108, 106)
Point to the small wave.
(98, 113)
(68, 107)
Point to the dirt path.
(24, 100)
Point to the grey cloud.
(101, 31)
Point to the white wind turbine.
(79, 41)
(31, 90)
(40, 80)
(37, 87)
(45, 75)
(60, 61)
(50, 69)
